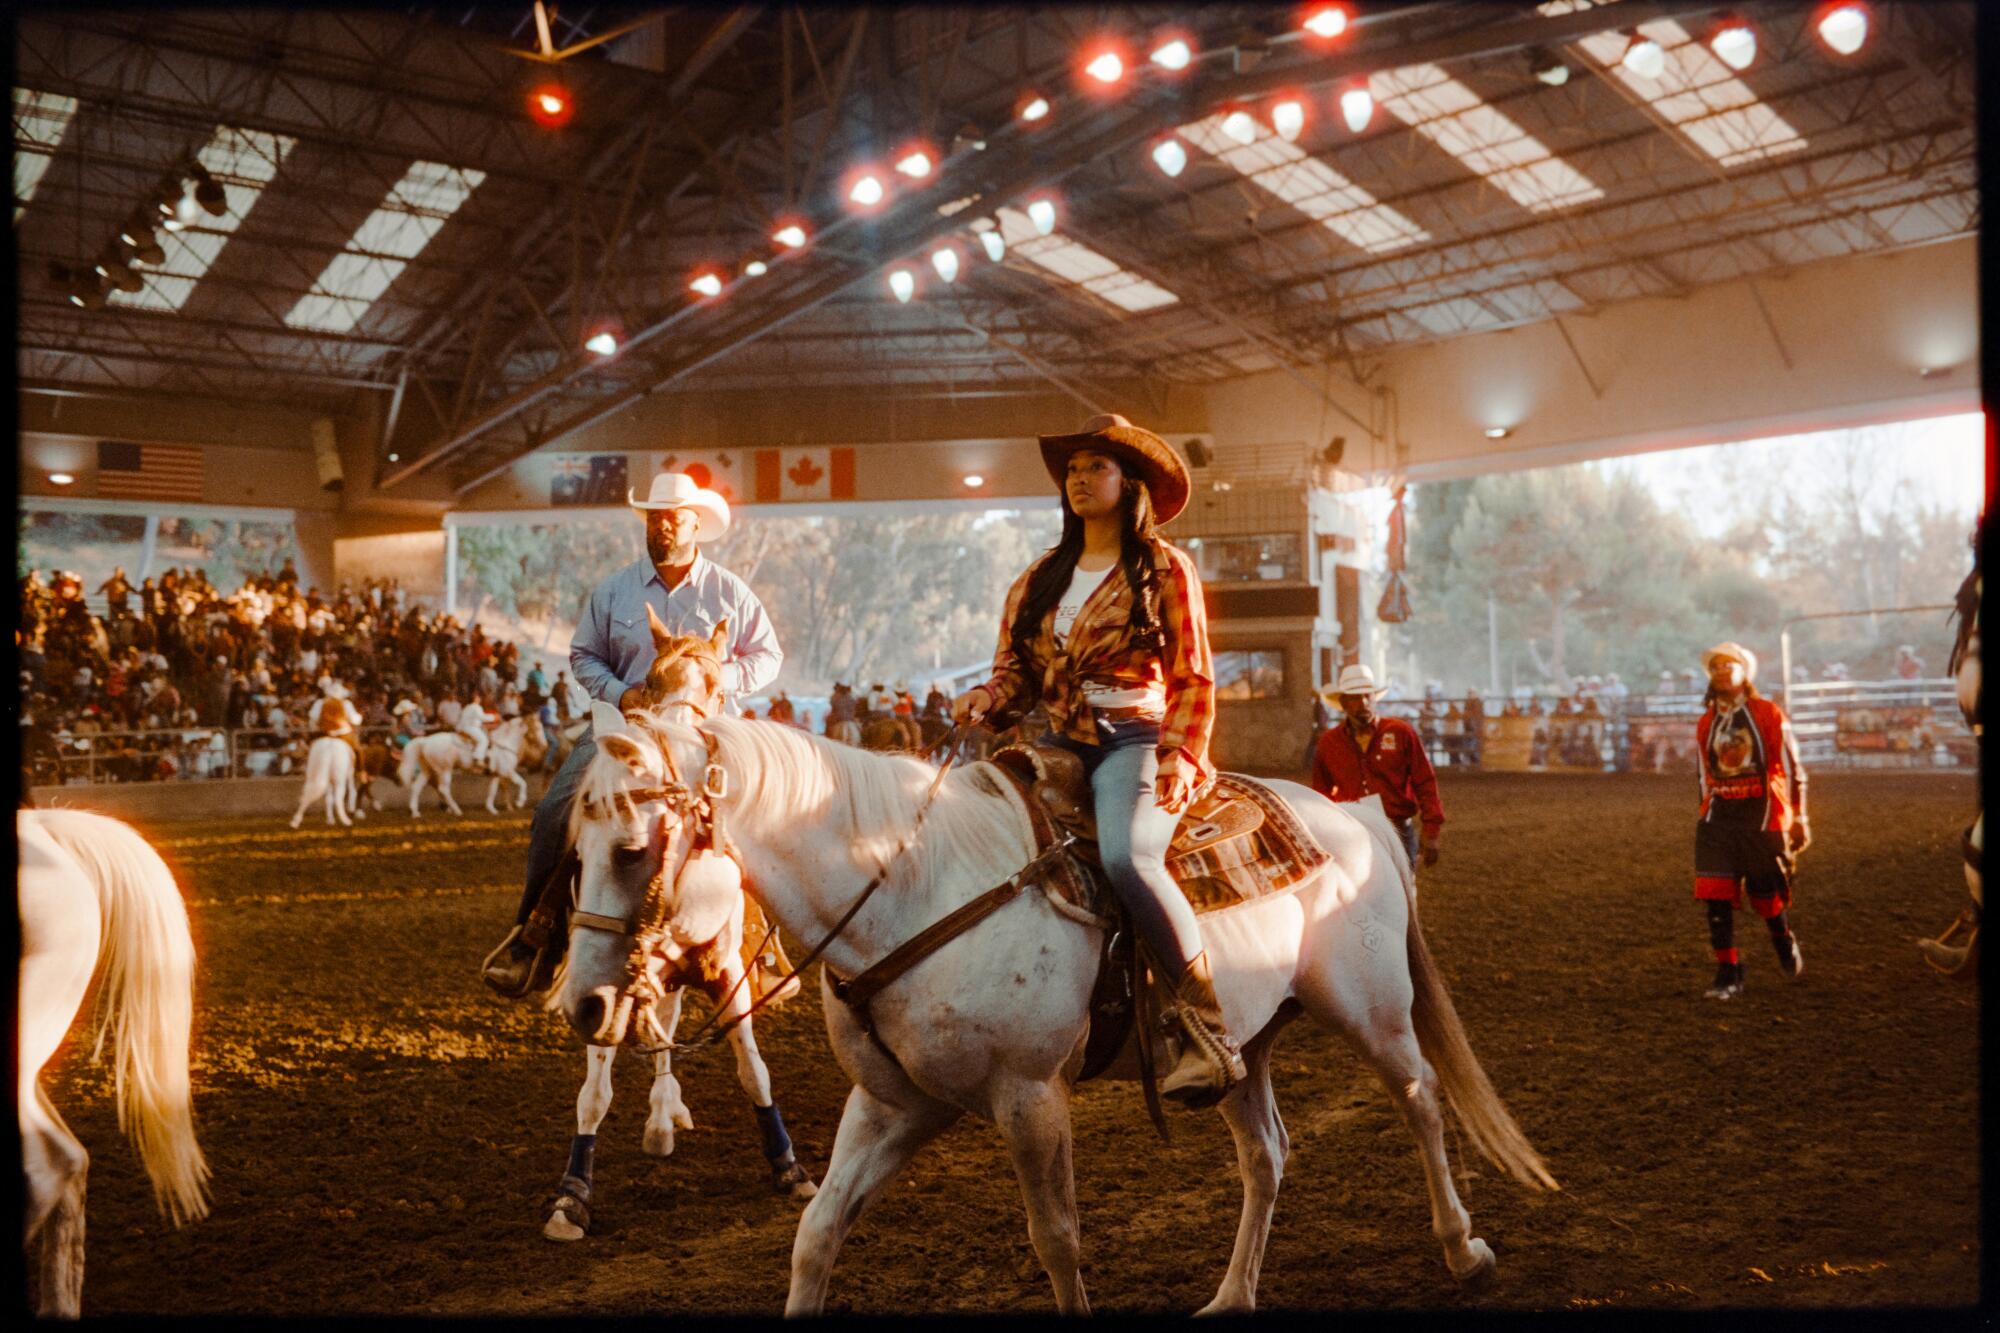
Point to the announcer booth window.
(1257, 673)
(1272, 557)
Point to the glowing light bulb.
(756, 268)
(1844, 28)
(1357, 108)
(1107, 68)
(1288, 118)
(1735, 45)
(1043, 214)
(602, 343)
(1174, 55)
(1240, 126)
(903, 283)
(1170, 157)
(1328, 22)
(550, 103)
(994, 244)
(867, 191)
(972, 480)
(945, 261)
(1035, 108)
(915, 165)
(67, 479)
(791, 237)
(708, 284)
(1645, 57)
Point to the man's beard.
(661, 550)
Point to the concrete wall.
(232, 798)
(409, 550)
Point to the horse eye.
(627, 858)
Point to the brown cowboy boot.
(1210, 1064)
(510, 968)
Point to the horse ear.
(661, 635)
(721, 636)
(606, 720)
(625, 750)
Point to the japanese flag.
(722, 471)
(790, 476)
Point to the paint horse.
(994, 1021)
(515, 743)
(684, 680)
(96, 899)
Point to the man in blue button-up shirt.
(613, 648)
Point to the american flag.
(127, 471)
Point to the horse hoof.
(1482, 1266)
(793, 1181)
(559, 1227)
(658, 1142)
(1220, 1306)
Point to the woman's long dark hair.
(1708, 700)
(1050, 576)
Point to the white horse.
(994, 1022)
(434, 758)
(330, 774)
(92, 893)
(685, 678)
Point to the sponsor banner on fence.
(1661, 743)
(1883, 730)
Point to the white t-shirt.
(1082, 584)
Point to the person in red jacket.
(1753, 814)
(1369, 755)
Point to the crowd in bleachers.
(148, 689)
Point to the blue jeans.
(549, 830)
(1406, 829)
(1132, 838)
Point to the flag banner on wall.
(792, 476)
(127, 471)
(588, 479)
(723, 471)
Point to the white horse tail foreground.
(994, 1020)
(96, 898)
(330, 774)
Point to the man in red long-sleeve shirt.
(1369, 755)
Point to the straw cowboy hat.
(1158, 466)
(1356, 679)
(677, 490)
(402, 707)
(1735, 650)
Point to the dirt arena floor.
(384, 1133)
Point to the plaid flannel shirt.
(1100, 651)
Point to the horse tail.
(406, 766)
(1441, 1037)
(146, 1001)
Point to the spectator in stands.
(1475, 727)
(1453, 730)
(1372, 755)
(1908, 665)
(780, 709)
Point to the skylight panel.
(1699, 96)
(39, 122)
(414, 211)
(1309, 185)
(1456, 119)
(1081, 265)
(243, 162)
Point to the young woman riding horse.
(1106, 630)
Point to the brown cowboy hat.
(1161, 470)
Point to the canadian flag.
(787, 476)
(723, 471)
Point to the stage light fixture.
(707, 282)
(62, 479)
(395, 458)
(1106, 67)
(1325, 22)
(602, 343)
(550, 106)
(1357, 105)
(1241, 126)
(866, 190)
(1175, 55)
(916, 164)
(1497, 432)
(1734, 42)
(208, 192)
(1644, 57)
(974, 481)
(1548, 67)
(945, 260)
(86, 290)
(903, 283)
(1843, 27)
(1042, 212)
(1288, 118)
(1032, 107)
(791, 236)
(994, 244)
(970, 136)
(1170, 157)
(756, 268)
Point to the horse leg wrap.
(771, 1124)
(582, 1147)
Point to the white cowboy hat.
(1357, 679)
(402, 707)
(677, 490)
(1735, 650)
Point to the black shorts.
(1730, 857)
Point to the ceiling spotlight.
(1170, 157)
(1288, 118)
(549, 106)
(1032, 107)
(1644, 57)
(603, 343)
(974, 481)
(916, 164)
(208, 192)
(1843, 27)
(994, 244)
(1241, 126)
(137, 231)
(903, 283)
(756, 268)
(1497, 432)
(1548, 67)
(1734, 43)
(1325, 21)
(395, 458)
(867, 190)
(945, 260)
(1042, 212)
(707, 282)
(1106, 67)
(67, 479)
(1357, 106)
(86, 290)
(1175, 55)
(791, 236)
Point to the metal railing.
(174, 754)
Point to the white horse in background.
(994, 1022)
(330, 774)
(95, 897)
(434, 758)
